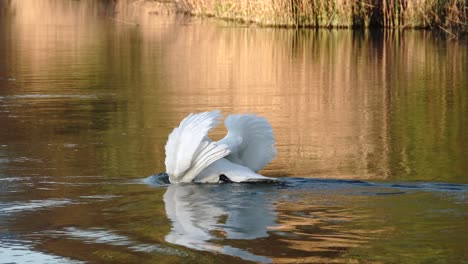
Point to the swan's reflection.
(204, 216)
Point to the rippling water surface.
(370, 130)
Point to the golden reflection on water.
(343, 104)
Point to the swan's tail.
(188, 148)
(250, 140)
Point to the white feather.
(192, 156)
(188, 149)
(250, 140)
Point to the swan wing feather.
(250, 140)
(188, 148)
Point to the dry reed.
(446, 14)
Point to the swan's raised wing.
(250, 140)
(188, 148)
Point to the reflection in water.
(297, 220)
(203, 214)
(343, 104)
(89, 91)
(314, 221)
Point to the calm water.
(370, 128)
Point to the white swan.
(248, 147)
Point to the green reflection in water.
(419, 227)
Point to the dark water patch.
(430, 187)
(390, 193)
(352, 186)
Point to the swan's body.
(192, 157)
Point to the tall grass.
(336, 13)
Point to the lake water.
(370, 129)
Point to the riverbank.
(448, 15)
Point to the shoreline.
(449, 16)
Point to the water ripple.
(15, 207)
(103, 236)
(17, 251)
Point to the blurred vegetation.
(446, 14)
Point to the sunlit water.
(370, 130)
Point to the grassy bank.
(446, 14)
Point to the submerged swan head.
(247, 148)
